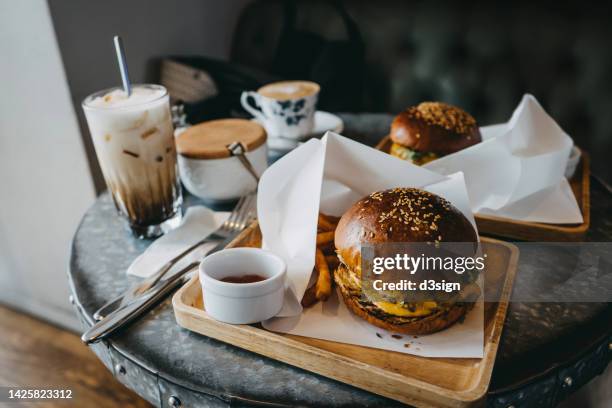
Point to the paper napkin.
(517, 171)
(197, 223)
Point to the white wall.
(45, 181)
(53, 54)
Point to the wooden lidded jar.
(207, 168)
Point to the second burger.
(431, 130)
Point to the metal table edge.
(224, 397)
(228, 398)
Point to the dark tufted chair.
(480, 55)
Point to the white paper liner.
(517, 172)
(333, 173)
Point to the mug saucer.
(323, 121)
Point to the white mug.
(290, 113)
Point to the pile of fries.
(326, 261)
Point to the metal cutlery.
(238, 150)
(127, 314)
(143, 286)
(238, 220)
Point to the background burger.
(402, 215)
(431, 130)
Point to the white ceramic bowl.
(221, 179)
(242, 303)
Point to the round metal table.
(547, 351)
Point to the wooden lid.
(208, 140)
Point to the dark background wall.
(479, 55)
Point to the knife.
(146, 284)
(136, 307)
(143, 286)
(121, 317)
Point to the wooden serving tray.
(418, 381)
(537, 231)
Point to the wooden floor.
(36, 354)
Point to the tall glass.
(134, 142)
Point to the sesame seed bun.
(434, 127)
(400, 215)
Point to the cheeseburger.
(431, 130)
(402, 215)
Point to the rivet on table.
(568, 381)
(120, 369)
(174, 402)
(71, 299)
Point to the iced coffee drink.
(133, 138)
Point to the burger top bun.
(435, 127)
(399, 215)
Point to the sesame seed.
(441, 114)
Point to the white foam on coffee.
(118, 98)
(286, 89)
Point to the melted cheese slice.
(422, 309)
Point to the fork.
(238, 220)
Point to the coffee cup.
(285, 108)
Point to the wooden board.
(419, 381)
(537, 231)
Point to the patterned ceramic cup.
(284, 108)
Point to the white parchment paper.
(197, 223)
(517, 171)
(332, 174)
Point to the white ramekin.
(221, 179)
(242, 303)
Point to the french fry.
(325, 237)
(321, 290)
(324, 224)
(332, 261)
(310, 297)
(327, 249)
(331, 219)
(323, 285)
